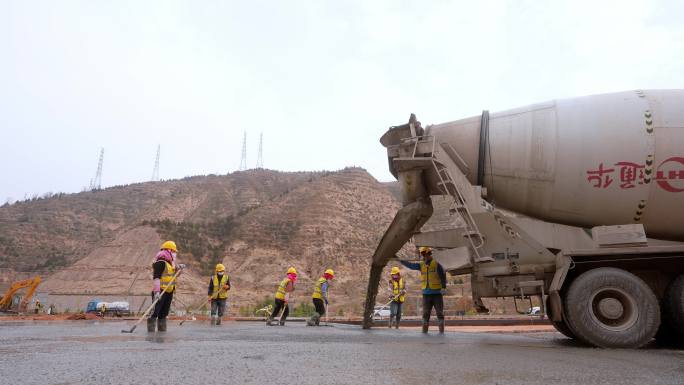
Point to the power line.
(260, 158)
(243, 159)
(155, 172)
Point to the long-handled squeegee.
(135, 325)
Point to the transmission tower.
(260, 158)
(243, 159)
(96, 183)
(155, 172)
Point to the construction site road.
(96, 352)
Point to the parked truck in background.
(578, 201)
(118, 308)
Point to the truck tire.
(560, 326)
(563, 328)
(612, 308)
(672, 329)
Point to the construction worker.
(164, 278)
(433, 282)
(287, 286)
(38, 308)
(320, 297)
(398, 290)
(219, 284)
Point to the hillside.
(100, 244)
(47, 233)
(257, 222)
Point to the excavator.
(31, 283)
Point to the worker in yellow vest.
(164, 279)
(320, 297)
(282, 296)
(219, 285)
(397, 296)
(433, 282)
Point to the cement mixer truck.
(579, 202)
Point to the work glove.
(326, 301)
(180, 267)
(226, 287)
(209, 299)
(157, 295)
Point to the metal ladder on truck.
(459, 206)
(448, 186)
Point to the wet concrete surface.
(86, 352)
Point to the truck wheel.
(612, 308)
(673, 313)
(561, 326)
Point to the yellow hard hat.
(171, 245)
(395, 270)
(291, 270)
(425, 249)
(330, 272)
(220, 267)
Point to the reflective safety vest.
(318, 289)
(280, 294)
(167, 279)
(397, 287)
(218, 293)
(429, 277)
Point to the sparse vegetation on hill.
(256, 222)
(56, 230)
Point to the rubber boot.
(151, 324)
(441, 326)
(313, 320)
(213, 320)
(396, 322)
(161, 324)
(425, 327)
(218, 321)
(389, 323)
(269, 321)
(281, 322)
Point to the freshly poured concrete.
(84, 352)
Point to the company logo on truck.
(626, 175)
(669, 172)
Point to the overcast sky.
(322, 80)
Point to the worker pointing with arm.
(320, 297)
(219, 284)
(433, 281)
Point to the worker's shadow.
(159, 338)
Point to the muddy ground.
(96, 352)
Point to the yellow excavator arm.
(31, 283)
